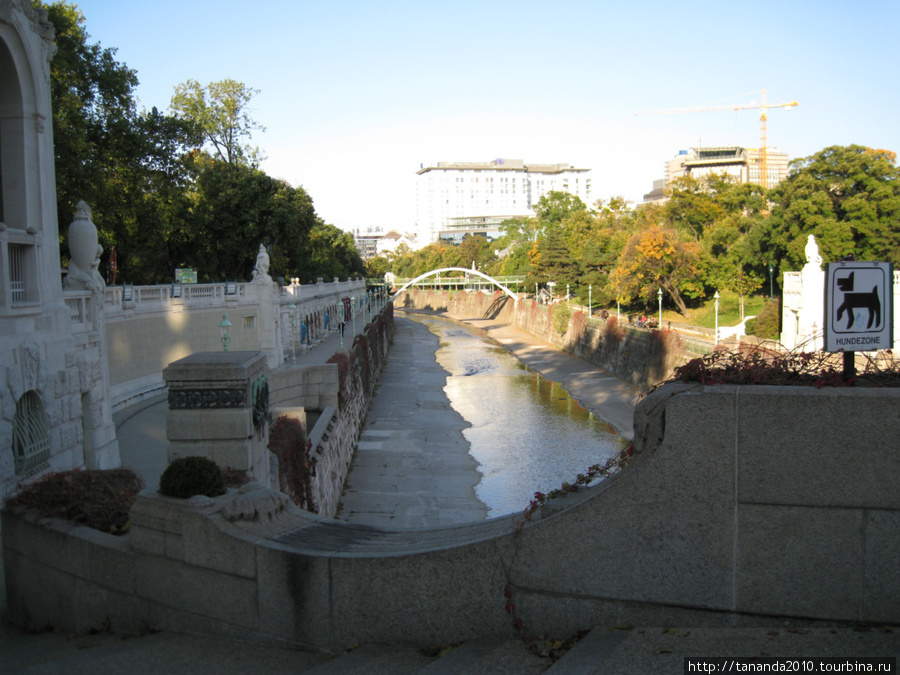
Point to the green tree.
(555, 206)
(236, 208)
(554, 262)
(221, 110)
(693, 206)
(474, 249)
(332, 253)
(128, 166)
(848, 197)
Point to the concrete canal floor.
(412, 467)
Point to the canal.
(526, 433)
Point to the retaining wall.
(147, 328)
(340, 392)
(742, 505)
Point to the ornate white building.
(54, 406)
(452, 193)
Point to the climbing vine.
(611, 466)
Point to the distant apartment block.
(366, 240)
(458, 198)
(373, 241)
(741, 163)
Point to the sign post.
(859, 309)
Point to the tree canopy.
(155, 198)
(221, 110)
(711, 233)
(127, 165)
(848, 197)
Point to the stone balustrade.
(149, 327)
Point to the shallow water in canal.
(526, 432)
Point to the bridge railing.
(472, 280)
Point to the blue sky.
(356, 95)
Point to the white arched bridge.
(484, 276)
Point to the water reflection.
(526, 432)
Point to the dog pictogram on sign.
(855, 302)
(858, 306)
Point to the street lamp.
(716, 296)
(771, 270)
(659, 295)
(353, 313)
(293, 318)
(223, 330)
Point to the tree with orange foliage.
(655, 258)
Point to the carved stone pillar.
(219, 409)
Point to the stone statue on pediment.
(812, 252)
(261, 269)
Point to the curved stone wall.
(742, 504)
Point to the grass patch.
(729, 311)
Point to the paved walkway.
(412, 466)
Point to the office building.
(458, 198)
(741, 163)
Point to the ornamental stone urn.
(84, 253)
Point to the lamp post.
(716, 296)
(590, 300)
(223, 330)
(618, 311)
(771, 271)
(293, 318)
(567, 294)
(659, 295)
(353, 313)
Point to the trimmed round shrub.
(189, 476)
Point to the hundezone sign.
(859, 306)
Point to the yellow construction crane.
(762, 106)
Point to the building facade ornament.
(194, 399)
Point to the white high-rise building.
(456, 198)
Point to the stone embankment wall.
(340, 392)
(742, 504)
(641, 357)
